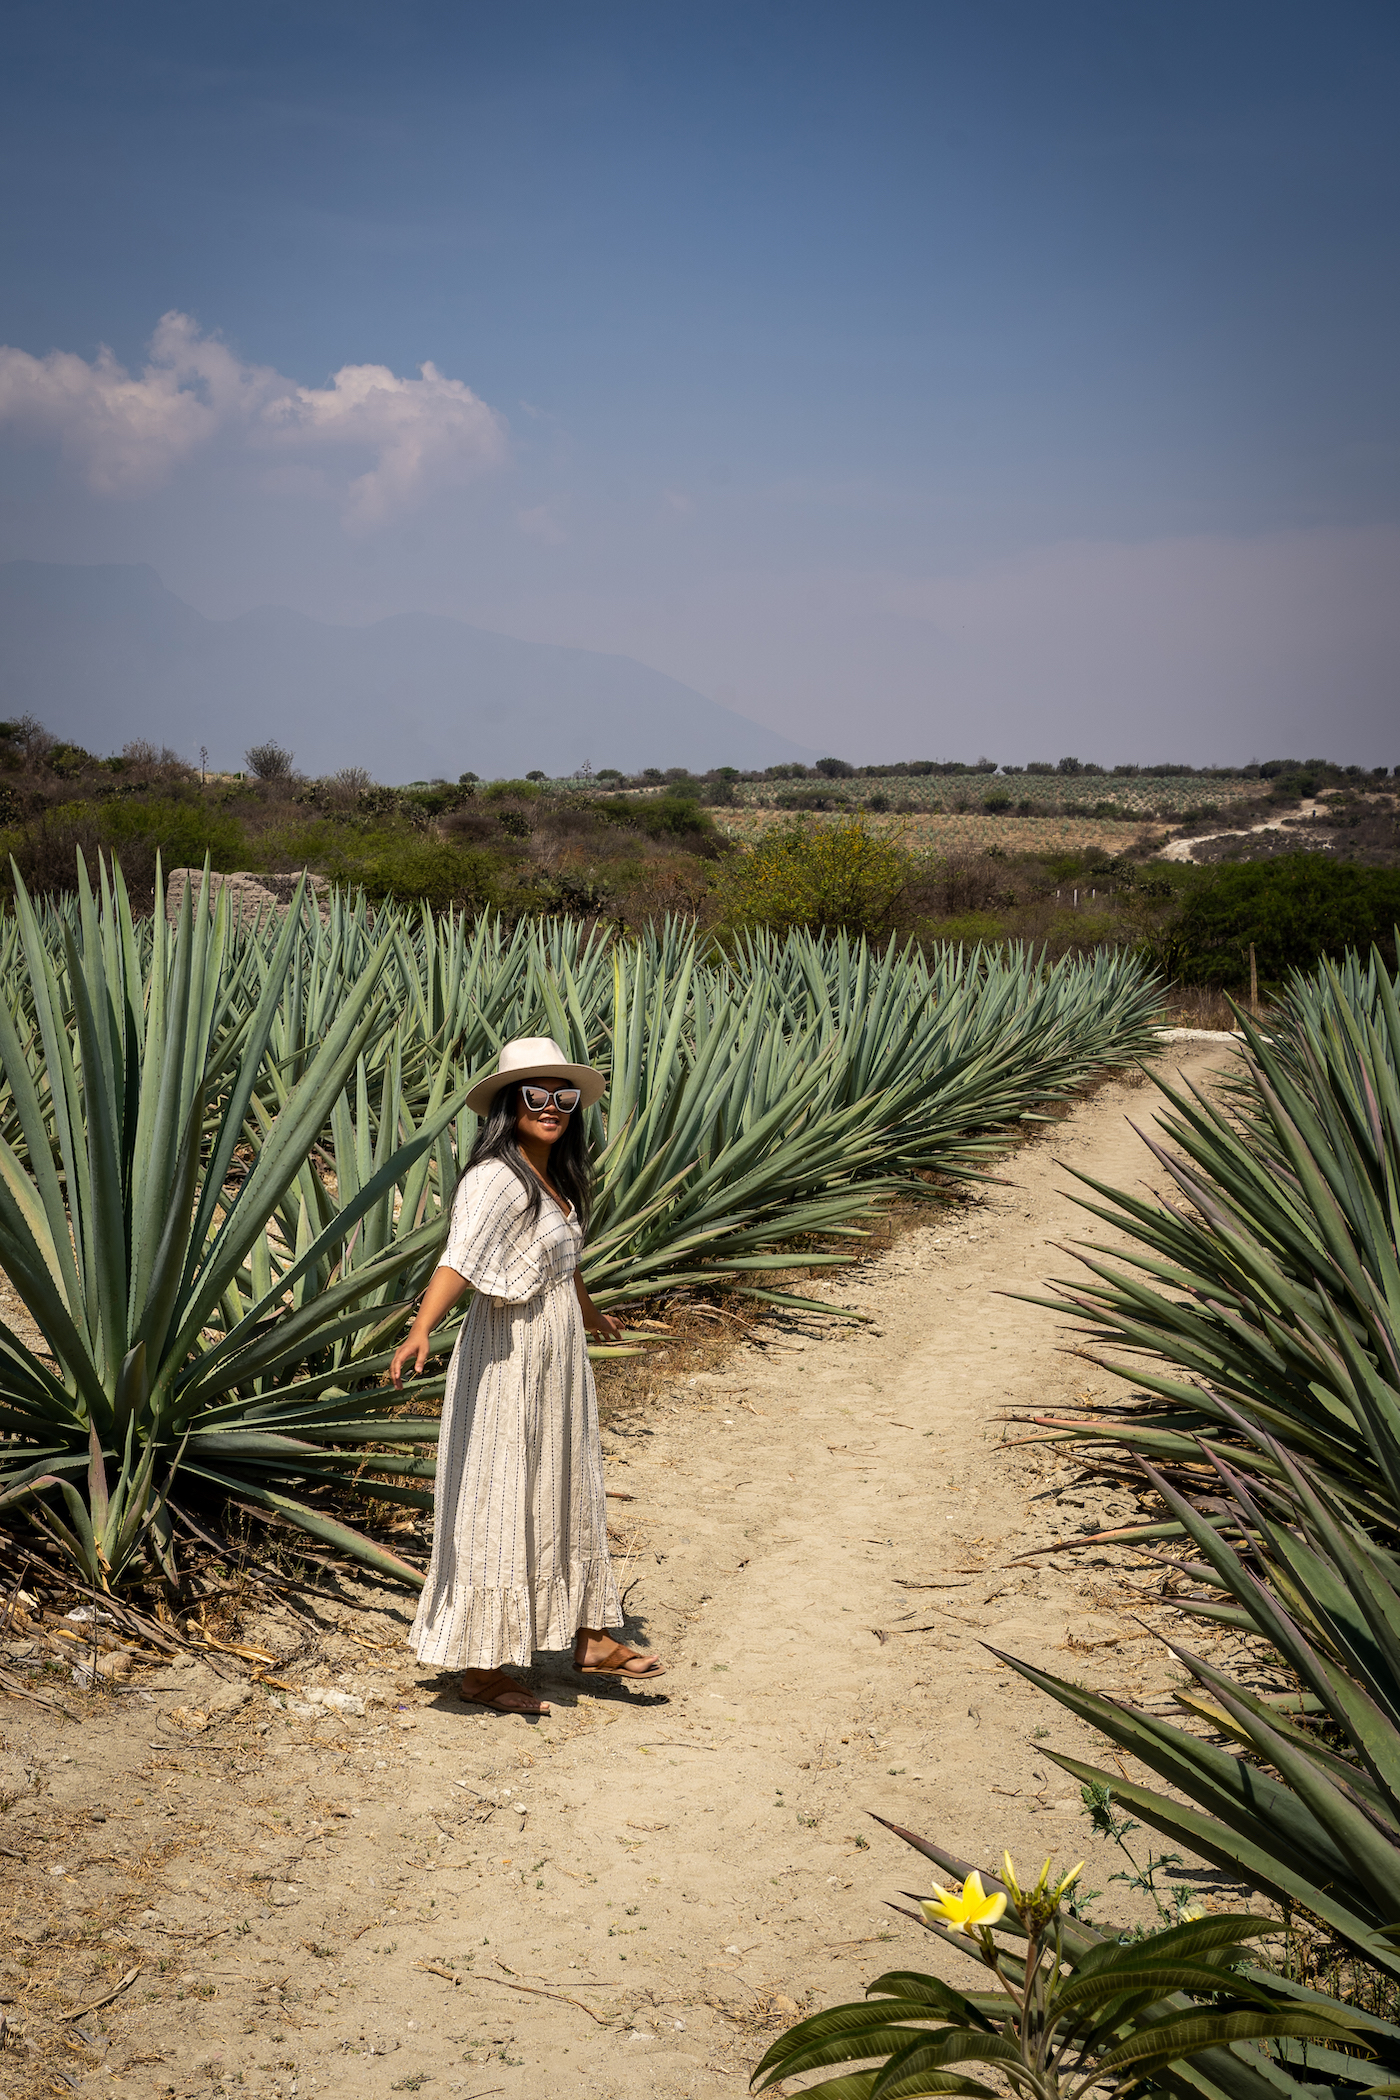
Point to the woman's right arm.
(444, 1289)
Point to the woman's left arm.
(602, 1324)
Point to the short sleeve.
(489, 1240)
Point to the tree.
(1291, 910)
(269, 761)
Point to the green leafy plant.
(226, 1150)
(1072, 2010)
(1265, 1313)
(1310, 1815)
(843, 877)
(203, 1313)
(1274, 1284)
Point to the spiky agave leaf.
(171, 1306)
(252, 1129)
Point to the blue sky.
(920, 379)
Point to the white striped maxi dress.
(520, 1543)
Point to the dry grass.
(1197, 1006)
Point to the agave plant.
(1310, 1814)
(1264, 1316)
(1273, 1292)
(1073, 2010)
(226, 1151)
(203, 1316)
(782, 1094)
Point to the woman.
(520, 1546)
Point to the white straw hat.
(535, 1057)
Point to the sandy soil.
(634, 1895)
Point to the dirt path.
(631, 1897)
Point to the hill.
(107, 654)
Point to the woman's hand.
(445, 1287)
(416, 1347)
(602, 1324)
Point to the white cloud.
(127, 433)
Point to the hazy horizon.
(910, 379)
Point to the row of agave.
(1257, 1317)
(227, 1150)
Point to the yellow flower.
(1042, 1892)
(970, 1906)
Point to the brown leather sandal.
(495, 1687)
(619, 1665)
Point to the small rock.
(185, 1717)
(338, 1702)
(233, 1693)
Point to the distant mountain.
(107, 654)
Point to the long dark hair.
(570, 1168)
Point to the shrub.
(665, 816)
(46, 849)
(840, 877)
(834, 769)
(965, 929)
(414, 868)
(1293, 910)
(269, 761)
(183, 832)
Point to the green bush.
(416, 869)
(966, 929)
(181, 832)
(46, 847)
(671, 815)
(1294, 910)
(840, 877)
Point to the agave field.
(227, 1151)
(1258, 1322)
(1135, 799)
(945, 832)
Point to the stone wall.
(250, 896)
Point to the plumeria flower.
(970, 1906)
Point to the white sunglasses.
(537, 1098)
